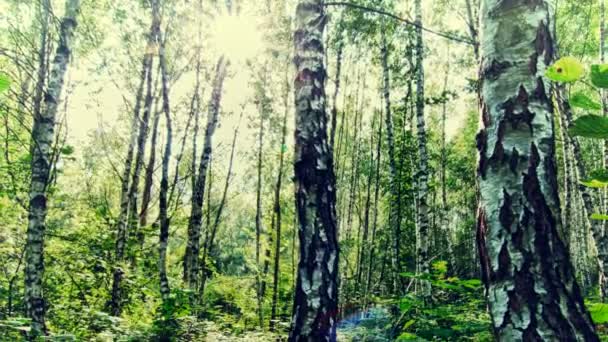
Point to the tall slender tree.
(191, 257)
(423, 173)
(164, 219)
(122, 233)
(532, 291)
(277, 221)
(316, 295)
(394, 220)
(43, 136)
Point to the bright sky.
(95, 98)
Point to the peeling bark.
(316, 297)
(529, 279)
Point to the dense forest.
(303, 170)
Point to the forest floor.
(370, 327)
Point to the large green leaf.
(581, 100)
(590, 126)
(566, 69)
(599, 75)
(4, 82)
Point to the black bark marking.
(495, 69)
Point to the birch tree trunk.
(124, 218)
(149, 174)
(277, 221)
(334, 109)
(445, 210)
(165, 290)
(316, 297)
(423, 173)
(604, 109)
(599, 236)
(362, 250)
(372, 252)
(43, 134)
(212, 231)
(142, 137)
(394, 202)
(191, 256)
(258, 217)
(533, 295)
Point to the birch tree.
(191, 256)
(43, 135)
(530, 282)
(422, 244)
(316, 294)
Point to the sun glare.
(237, 37)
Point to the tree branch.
(403, 20)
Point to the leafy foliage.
(590, 126)
(457, 312)
(581, 100)
(599, 75)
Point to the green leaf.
(440, 267)
(599, 217)
(597, 179)
(566, 69)
(599, 75)
(408, 324)
(590, 126)
(4, 82)
(407, 337)
(581, 100)
(599, 312)
(67, 150)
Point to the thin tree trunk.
(392, 162)
(364, 243)
(472, 24)
(604, 99)
(372, 252)
(445, 210)
(149, 174)
(277, 214)
(529, 279)
(211, 233)
(165, 290)
(43, 133)
(334, 110)
(142, 138)
(601, 239)
(191, 256)
(122, 233)
(258, 215)
(423, 176)
(316, 297)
